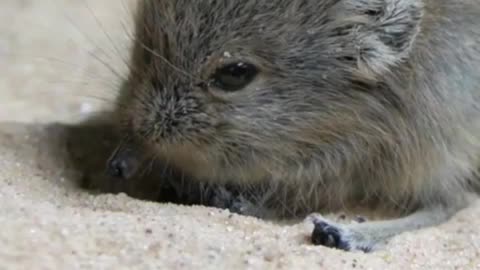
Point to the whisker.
(169, 63)
(107, 35)
(162, 58)
(107, 65)
(128, 11)
(108, 84)
(88, 39)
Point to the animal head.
(221, 85)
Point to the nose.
(124, 162)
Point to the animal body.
(310, 106)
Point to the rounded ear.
(383, 31)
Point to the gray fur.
(371, 102)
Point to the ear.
(384, 30)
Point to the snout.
(125, 161)
(171, 117)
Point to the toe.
(330, 235)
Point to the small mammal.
(327, 103)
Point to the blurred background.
(57, 57)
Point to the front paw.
(225, 198)
(329, 234)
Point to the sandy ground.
(50, 78)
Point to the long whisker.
(108, 66)
(108, 36)
(89, 75)
(93, 43)
(154, 53)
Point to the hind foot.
(344, 237)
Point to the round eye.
(233, 77)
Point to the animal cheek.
(139, 121)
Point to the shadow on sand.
(87, 147)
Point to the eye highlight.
(234, 76)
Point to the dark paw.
(231, 199)
(225, 199)
(219, 197)
(343, 237)
(360, 219)
(329, 235)
(241, 206)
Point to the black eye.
(233, 77)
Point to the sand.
(50, 82)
